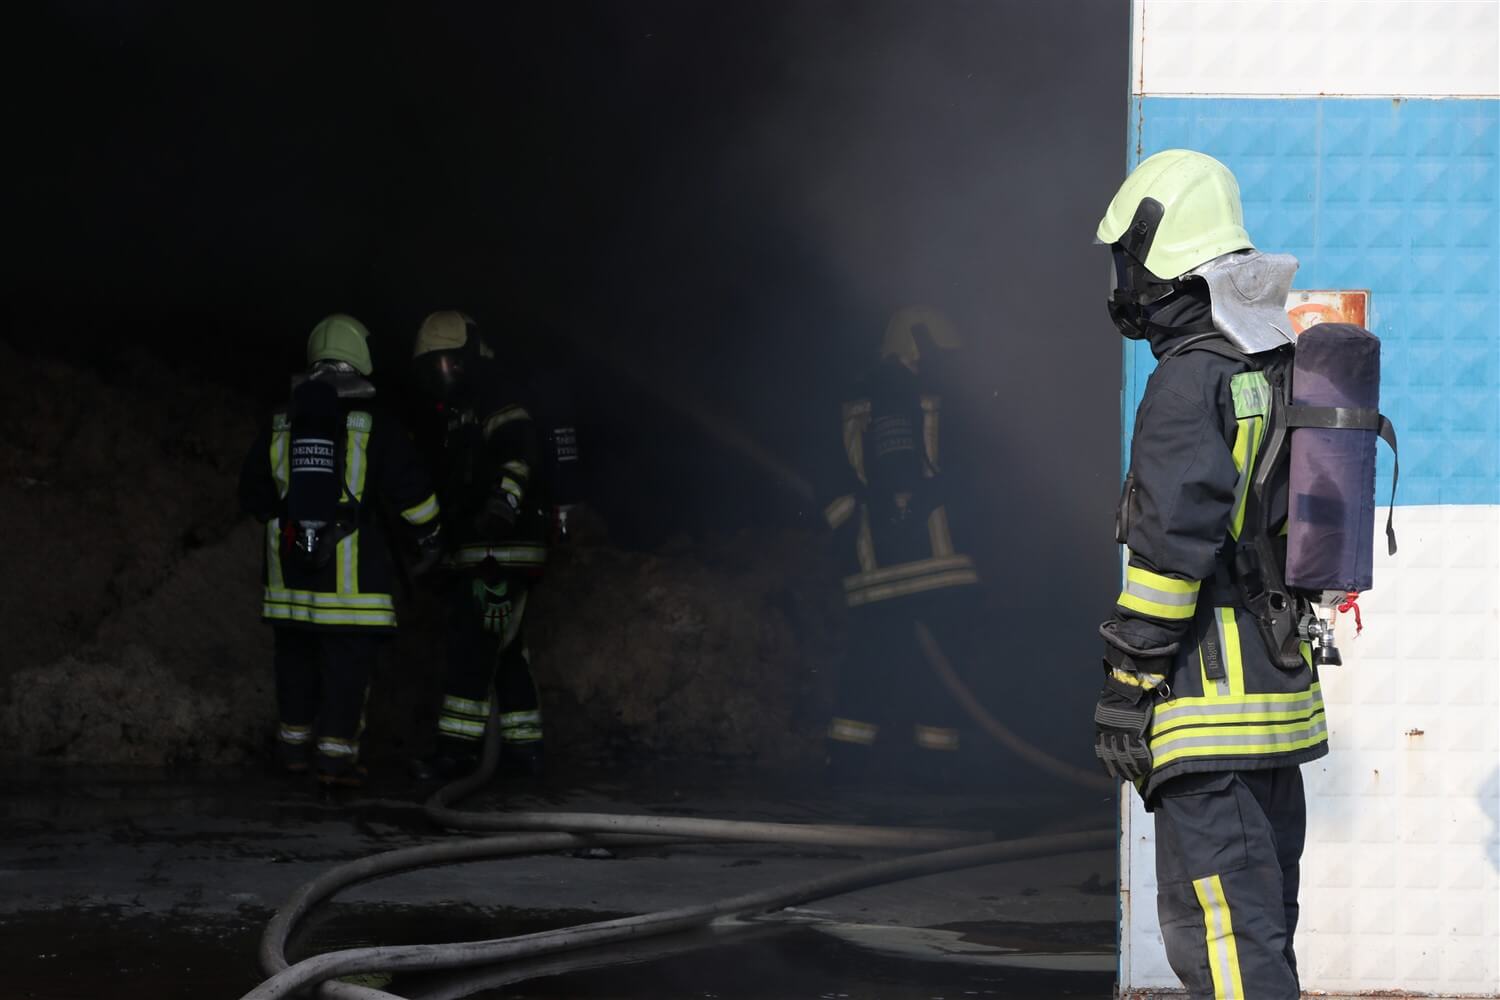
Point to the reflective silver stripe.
(1250, 705)
(1138, 589)
(327, 616)
(295, 735)
(1246, 736)
(520, 718)
(856, 420)
(461, 728)
(838, 512)
(938, 534)
(466, 706)
(1223, 953)
(936, 738)
(497, 420)
(522, 555)
(905, 588)
(422, 512)
(930, 407)
(902, 571)
(322, 599)
(852, 731)
(330, 747)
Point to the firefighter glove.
(1120, 722)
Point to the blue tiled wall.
(1400, 197)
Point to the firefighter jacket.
(890, 516)
(1226, 704)
(482, 450)
(381, 473)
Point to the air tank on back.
(1331, 501)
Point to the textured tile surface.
(1433, 48)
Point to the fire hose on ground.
(544, 832)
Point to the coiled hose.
(542, 832)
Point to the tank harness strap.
(1359, 418)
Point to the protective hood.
(1247, 295)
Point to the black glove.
(499, 514)
(429, 551)
(1133, 680)
(1120, 721)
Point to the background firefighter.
(890, 520)
(482, 442)
(317, 476)
(1196, 710)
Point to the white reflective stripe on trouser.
(460, 728)
(328, 746)
(521, 727)
(295, 735)
(1218, 930)
(936, 738)
(852, 731)
(466, 706)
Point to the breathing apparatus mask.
(1139, 295)
(442, 375)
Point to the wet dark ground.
(160, 889)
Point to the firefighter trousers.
(1228, 854)
(887, 691)
(479, 623)
(322, 681)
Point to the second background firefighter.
(482, 443)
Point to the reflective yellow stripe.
(1252, 401)
(355, 466)
(1159, 596)
(317, 598)
(1270, 701)
(1243, 741)
(327, 616)
(422, 512)
(1141, 680)
(517, 467)
(510, 486)
(1218, 930)
(838, 512)
(280, 441)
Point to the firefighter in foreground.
(891, 523)
(317, 476)
(1205, 714)
(485, 450)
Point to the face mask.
(440, 375)
(1138, 293)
